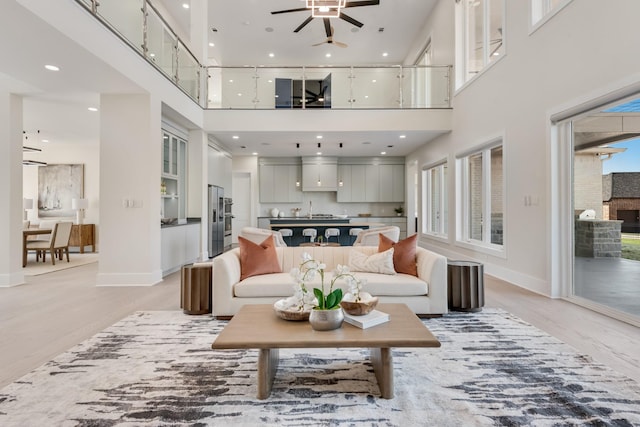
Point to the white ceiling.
(57, 103)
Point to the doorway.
(605, 194)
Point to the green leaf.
(334, 298)
(318, 293)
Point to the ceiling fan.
(329, 39)
(342, 15)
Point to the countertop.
(301, 217)
(190, 221)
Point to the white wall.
(584, 51)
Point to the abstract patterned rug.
(157, 368)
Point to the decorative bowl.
(283, 313)
(359, 308)
(341, 216)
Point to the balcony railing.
(140, 25)
(388, 87)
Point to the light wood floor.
(53, 312)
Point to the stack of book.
(373, 318)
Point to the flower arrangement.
(329, 300)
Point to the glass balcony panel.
(125, 17)
(376, 88)
(238, 88)
(161, 44)
(269, 88)
(188, 72)
(270, 85)
(425, 87)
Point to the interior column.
(130, 159)
(11, 189)
(197, 185)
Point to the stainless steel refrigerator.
(216, 220)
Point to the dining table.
(25, 238)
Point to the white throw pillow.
(381, 262)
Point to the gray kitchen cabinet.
(319, 174)
(280, 183)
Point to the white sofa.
(425, 294)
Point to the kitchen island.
(297, 224)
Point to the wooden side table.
(195, 288)
(465, 285)
(83, 235)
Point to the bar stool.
(286, 232)
(329, 232)
(354, 234)
(311, 233)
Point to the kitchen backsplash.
(326, 203)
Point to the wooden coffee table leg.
(382, 362)
(268, 359)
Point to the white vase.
(275, 212)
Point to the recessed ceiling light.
(269, 30)
(52, 67)
(254, 153)
(239, 94)
(385, 54)
(235, 137)
(152, 55)
(355, 29)
(45, 140)
(92, 109)
(382, 153)
(319, 153)
(212, 44)
(271, 55)
(230, 80)
(366, 97)
(403, 136)
(270, 81)
(328, 55)
(496, 53)
(366, 143)
(373, 81)
(319, 137)
(185, 5)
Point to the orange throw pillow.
(404, 254)
(258, 259)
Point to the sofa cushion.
(381, 262)
(258, 259)
(404, 256)
(282, 285)
(265, 285)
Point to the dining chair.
(58, 241)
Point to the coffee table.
(257, 326)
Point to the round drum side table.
(465, 285)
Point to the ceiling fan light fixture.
(326, 8)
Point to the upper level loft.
(140, 25)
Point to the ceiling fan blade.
(362, 3)
(327, 26)
(351, 20)
(301, 26)
(340, 44)
(319, 44)
(300, 9)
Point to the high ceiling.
(246, 34)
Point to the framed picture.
(57, 186)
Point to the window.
(479, 36)
(434, 200)
(542, 10)
(481, 197)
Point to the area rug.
(157, 369)
(34, 268)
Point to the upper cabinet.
(173, 182)
(371, 180)
(319, 173)
(280, 180)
